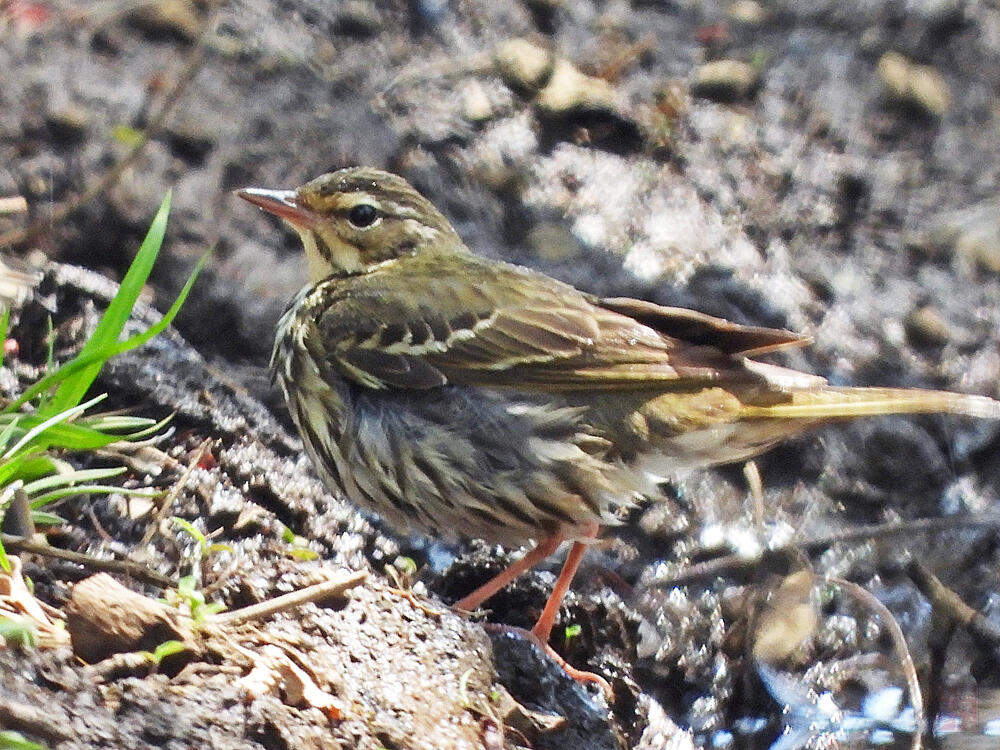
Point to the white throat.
(343, 257)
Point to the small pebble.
(724, 80)
(522, 64)
(926, 328)
(747, 12)
(907, 82)
(569, 90)
(476, 104)
(358, 19)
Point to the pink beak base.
(283, 203)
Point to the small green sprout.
(10, 740)
(189, 595)
(191, 530)
(203, 545)
(298, 546)
(406, 565)
(17, 632)
(165, 649)
(126, 135)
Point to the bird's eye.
(363, 215)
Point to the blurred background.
(828, 166)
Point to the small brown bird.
(464, 397)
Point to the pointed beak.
(283, 203)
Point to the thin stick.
(737, 563)
(168, 501)
(317, 592)
(952, 606)
(867, 599)
(135, 570)
(751, 472)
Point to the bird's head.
(354, 219)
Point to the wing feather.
(698, 328)
(528, 332)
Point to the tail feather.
(832, 403)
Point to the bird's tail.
(831, 403)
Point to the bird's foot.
(577, 674)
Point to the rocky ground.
(829, 167)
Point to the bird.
(464, 397)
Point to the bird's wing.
(483, 323)
(698, 328)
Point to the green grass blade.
(92, 489)
(42, 518)
(66, 372)
(74, 437)
(113, 321)
(34, 434)
(82, 362)
(191, 530)
(117, 423)
(62, 480)
(8, 432)
(127, 428)
(4, 323)
(50, 423)
(27, 465)
(88, 489)
(9, 469)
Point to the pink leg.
(542, 550)
(546, 621)
(539, 634)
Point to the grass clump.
(52, 417)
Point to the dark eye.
(363, 215)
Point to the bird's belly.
(458, 462)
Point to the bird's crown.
(355, 219)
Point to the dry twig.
(868, 600)
(949, 604)
(135, 570)
(317, 592)
(733, 564)
(168, 500)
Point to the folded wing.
(506, 326)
